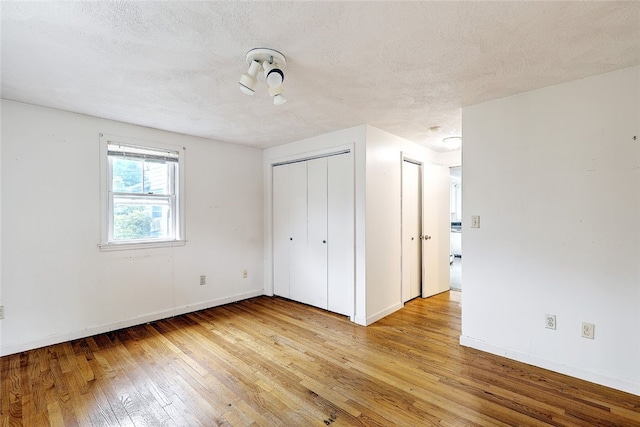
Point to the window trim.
(105, 196)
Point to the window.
(143, 195)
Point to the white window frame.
(106, 196)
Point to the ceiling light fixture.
(271, 62)
(452, 142)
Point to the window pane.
(156, 178)
(135, 219)
(139, 176)
(127, 175)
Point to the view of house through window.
(143, 194)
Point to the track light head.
(249, 79)
(276, 93)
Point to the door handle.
(426, 237)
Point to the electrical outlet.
(550, 321)
(203, 280)
(1, 311)
(245, 274)
(588, 330)
(475, 221)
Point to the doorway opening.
(411, 230)
(455, 259)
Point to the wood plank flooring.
(273, 362)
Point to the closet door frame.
(269, 224)
(341, 253)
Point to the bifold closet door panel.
(316, 289)
(340, 226)
(298, 230)
(289, 229)
(281, 232)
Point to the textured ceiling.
(400, 66)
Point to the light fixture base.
(262, 54)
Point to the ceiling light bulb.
(275, 77)
(272, 74)
(279, 99)
(248, 80)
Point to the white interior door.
(297, 186)
(437, 225)
(340, 220)
(411, 231)
(316, 286)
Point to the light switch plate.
(475, 221)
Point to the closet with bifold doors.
(313, 231)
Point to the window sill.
(108, 247)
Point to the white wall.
(555, 176)
(450, 158)
(384, 153)
(57, 285)
(1, 300)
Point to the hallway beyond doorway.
(455, 200)
(456, 273)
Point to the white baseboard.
(622, 384)
(382, 313)
(6, 350)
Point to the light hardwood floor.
(272, 362)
